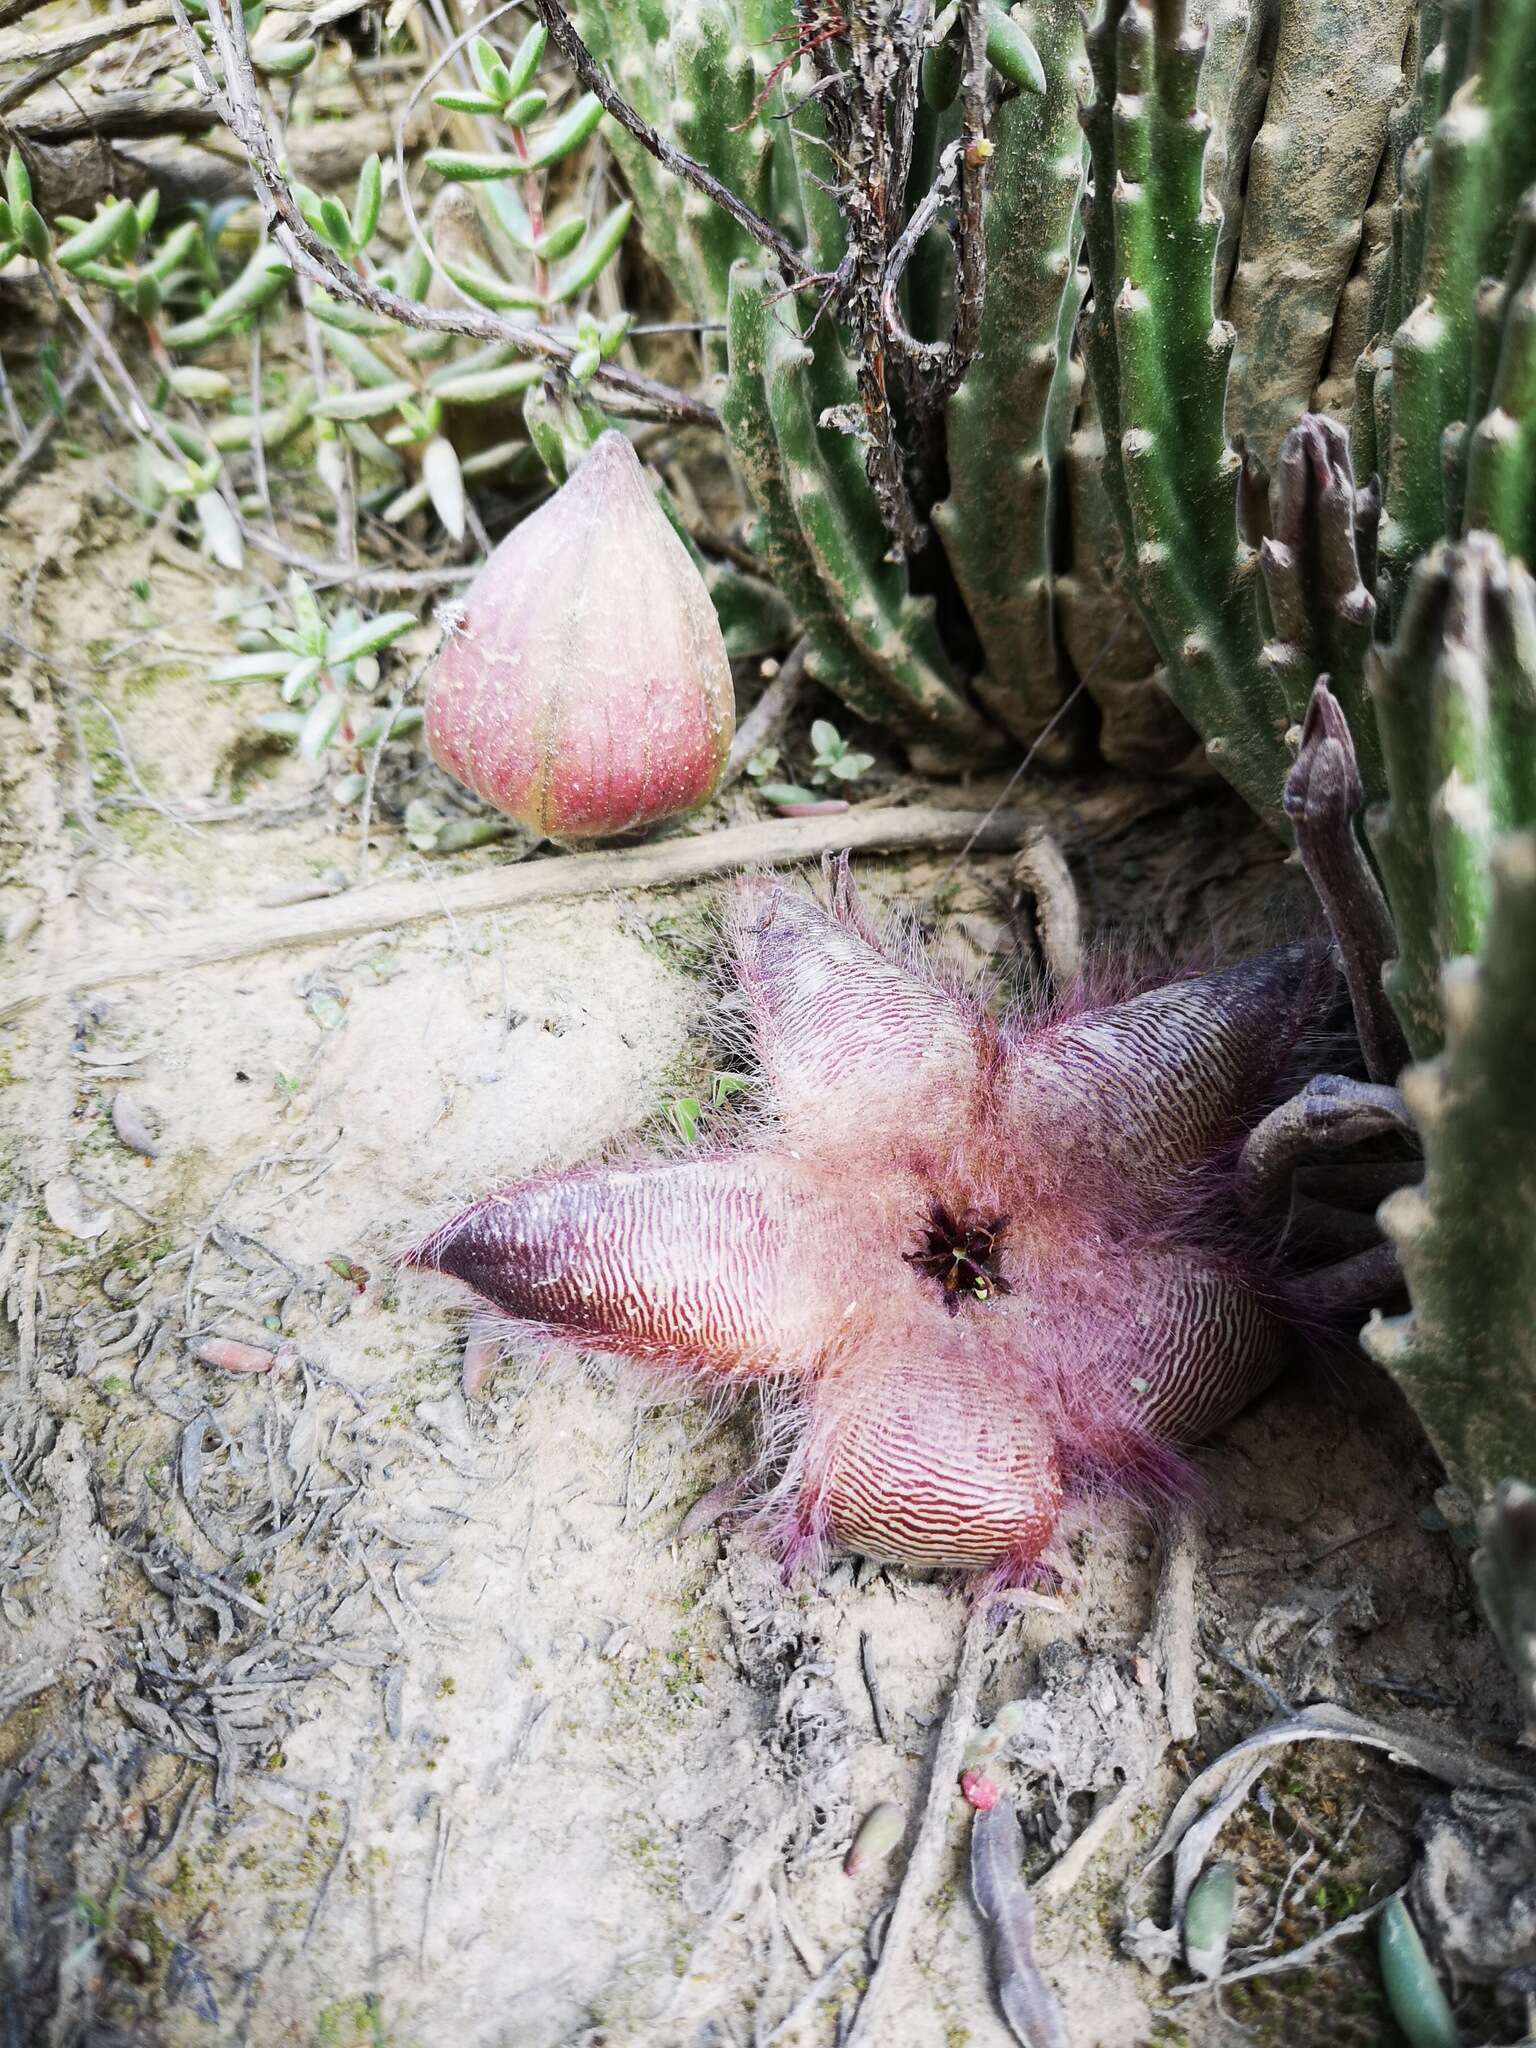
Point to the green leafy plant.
(835, 760)
(328, 673)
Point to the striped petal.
(1148, 1088)
(690, 1265)
(854, 1045)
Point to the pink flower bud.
(979, 1790)
(587, 689)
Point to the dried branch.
(923, 1864)
(668, 864)
(119, 117)
(42, 433)
(590, 74)
(240, 102)
(935, 369)
(58, 49)
(869, 110)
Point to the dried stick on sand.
(238, 935)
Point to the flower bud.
(587, 689)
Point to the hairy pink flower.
(974, 1269)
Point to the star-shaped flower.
(974, 1268)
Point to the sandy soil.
(337, 1709)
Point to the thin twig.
(37, 440)
(60, 49)
(669, 863)
(936, 369)
(590, 74)
(240, 101)
(769, 715)
(922, 1866)
(1296, 1958)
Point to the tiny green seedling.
(327, 671)
(835, 760)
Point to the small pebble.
(228, 1356)
(22, 923)
(131, 1126)
(878, 1833)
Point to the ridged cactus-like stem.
(1454, 241)
(626, 37)
(873, 642)
(1456, 706)
(1159, 361)
(714, 116)
(1310, 173)
(1466, 1356)
(1456, 699)
(1501, 456)
(996, 521)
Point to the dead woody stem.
(867, 59)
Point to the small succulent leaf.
(306, 613)
(488, 67)
(466, 167)
(342, 315)
(96, 237)
(335, 226)
(486, 387)
(509, 216)
(1418, 2004)
(445, 485)
(322, 724)
(601, 246)
(288, 724)
(466, 102)
(383, 727)
(220, 530)
(369, 200)
(786, 793)
(173, 251)
(284, 60)
(33, 229)
(611, 332)
(567, 134)
(366, 365)
(496, 292)
(18, 181)
(559, 240)
(366, 404)
(544, 432)
(263, 277)
(1010, 52)
(270, 667)
(370, 636)
(526, 108)
(530, 52)
(197, 384)
(301, 677)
